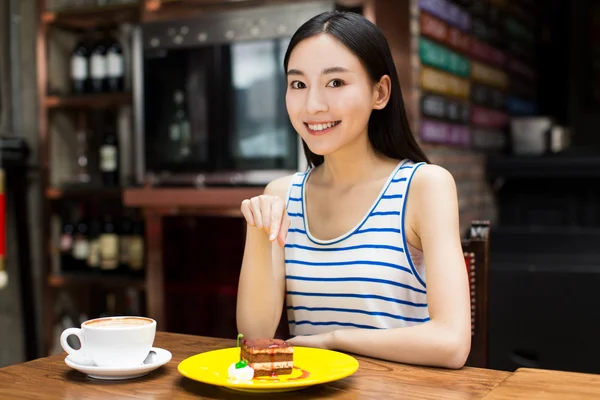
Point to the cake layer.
(267, 346)
(266, 358)
(271, 366)
(264, 372)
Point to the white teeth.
(320, 127)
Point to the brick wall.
(399, 21)
(475, 197)
(466, 165)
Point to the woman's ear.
(383, 90)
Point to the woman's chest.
(331, 214)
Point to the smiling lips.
(321, 127)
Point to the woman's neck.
(354, 164)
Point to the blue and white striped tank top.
(362, 279)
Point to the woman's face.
(329, 95)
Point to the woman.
(364, 266)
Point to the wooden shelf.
(103, 100)
(86, 18)
(92, 17)
(155, 5)
(161, 10)
(57, 193)
(227, 200)
(60, 281)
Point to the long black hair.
(389, 131)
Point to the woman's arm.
(261, 286)
(445, 340)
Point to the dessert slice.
(268, 357)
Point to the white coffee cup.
(112, 341)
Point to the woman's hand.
(321, 341)
(267, 213)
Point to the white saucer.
(115, 373)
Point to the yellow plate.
(311, 367)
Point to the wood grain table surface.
(539, 384)
(50, 378)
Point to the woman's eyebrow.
(325, 71)
(334, 70)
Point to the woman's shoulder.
(431, 179)
(280, 186)
(432, 199)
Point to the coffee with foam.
(127, 322)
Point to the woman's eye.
(297, 85)
(336, 83)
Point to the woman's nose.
(316, 101)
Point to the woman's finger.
(265, 209)
(247, 212)
(256, 212)
(276, 217)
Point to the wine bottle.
(111, 303)
(80, 242)
(125, 237)
(136, 248)
(98, 65)
(83, 175)
(109, 245)
(179, 130)
(114, 65)
(93, 261)
(132, 302)
(109, 157)
(66, 241)
(79, 67)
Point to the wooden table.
(50, 378)
(538, 384)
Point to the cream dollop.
(240, 374)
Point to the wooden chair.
(476, 252)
